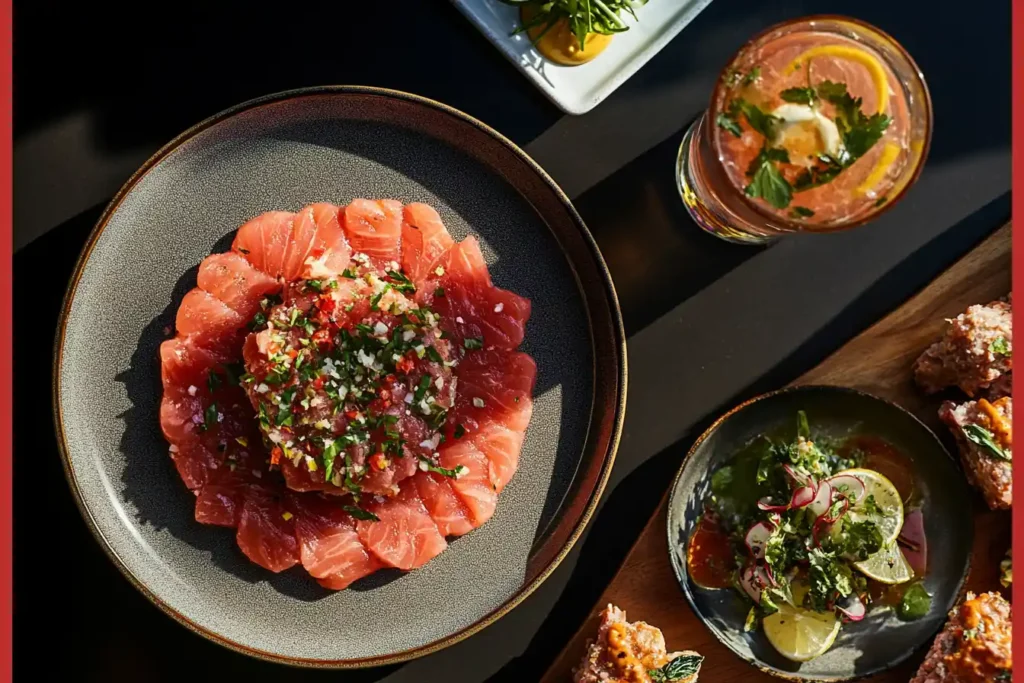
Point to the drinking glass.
(816, 125)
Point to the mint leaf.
(679, 668)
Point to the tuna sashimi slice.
(473, 485)
(330, 252)
(195, 462)
(493, 386)
(181, 414)
(501, 445)
(329, 546)
(374, 228)
(221, 499)
(232, 279)
(300, 244)
(424, 241)
(405, 537)
(266, 530)
(470, 306)
(264, 241)
(207, 319)
(184, 363)
(444, 507)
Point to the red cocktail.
(816, 125)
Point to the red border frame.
(6, 319)
(1017, 91)
(6, 344)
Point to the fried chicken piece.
(984, 436)
(975, 351)
(627, 653)
(974, 646)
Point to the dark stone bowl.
(880, 641)
(282, 152)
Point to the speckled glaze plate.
(282, 152)
(880, 641)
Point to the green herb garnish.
(444, 471)
(984, 438)
(799, 95)
(679, 668)
(209, 417)
(1000, 347)
(360, 513)
(472, 343)
(728, 122)
(583, 16)
(767, 181)
(916, 603)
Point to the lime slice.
(887, 511)
(888, 565)
(800, 634)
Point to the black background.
(709, 323)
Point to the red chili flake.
(404, 366)
(384, 393)
(352, 414)
(379, 462)
(321, 337)
(326, 303)
(275, 455)
(318, 383)
(292, 353)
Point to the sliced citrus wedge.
(880, 503)
(888, 565)
(800, 634)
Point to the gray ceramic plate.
(880, 641)
(282, 152)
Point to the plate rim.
(616, 78)
(672, 501)
(617, 414)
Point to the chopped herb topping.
(360, 513)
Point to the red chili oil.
(710, 560)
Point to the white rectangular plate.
(578, 89)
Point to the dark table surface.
(99, 87)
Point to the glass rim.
(797, 226)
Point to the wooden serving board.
(878, 361)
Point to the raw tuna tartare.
(344, 389)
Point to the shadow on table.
(664, 258)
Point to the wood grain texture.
(877, 361)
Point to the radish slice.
(764, 576)
(802, 497)
(844, 505)
(848, 485)
(914, 542)
(852, 608)
(768, 506)
(799, 478)
(749, 585)
(822, 501)
(756, 537)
